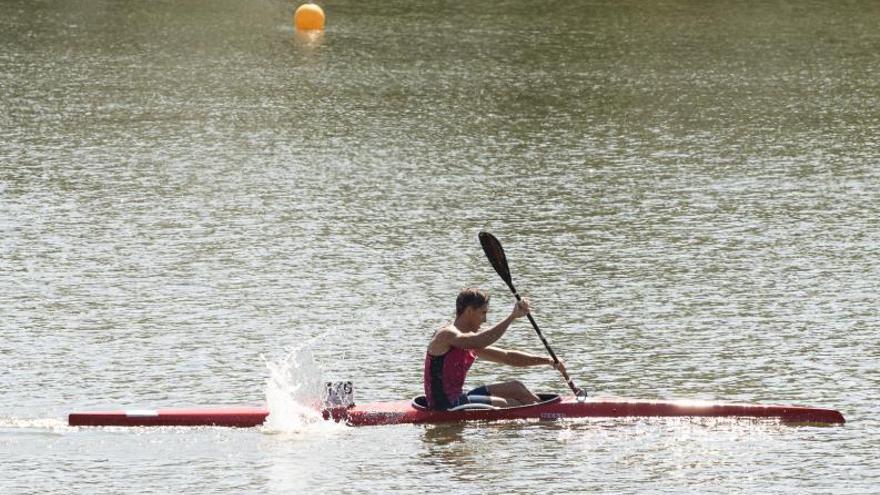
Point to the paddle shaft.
(495, 254)
(564, 373)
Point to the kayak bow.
(404, 412)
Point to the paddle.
(495, 253)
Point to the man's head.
(470, 297)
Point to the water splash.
(46, 425)
(293, 394)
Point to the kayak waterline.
(410, 412)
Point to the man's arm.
(481, 339)
(513, 358)
(452, 337)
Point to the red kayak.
(400, 412)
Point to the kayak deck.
(403, 412)
(241, 417)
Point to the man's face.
(476, 316)
(482, 311)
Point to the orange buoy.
(308, 16)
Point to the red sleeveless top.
(444, 376)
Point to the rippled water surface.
(689, 193)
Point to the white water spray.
(293, 394)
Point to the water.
(189, 190)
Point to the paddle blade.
(495, 253)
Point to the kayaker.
(455, 347)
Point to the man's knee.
(511, 389)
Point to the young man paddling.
(455, 347)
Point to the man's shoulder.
(441, 340)
(448, 328)
(446, 332)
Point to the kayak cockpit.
(421, 403)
